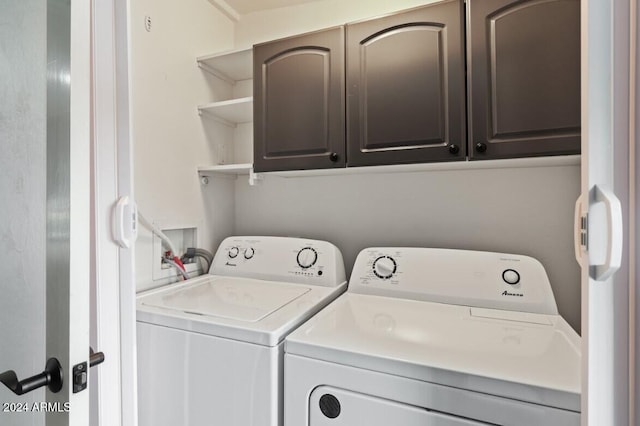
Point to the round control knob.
(307, 257)
(233, 252)
(248, 253)
(511, 276)
(384, 267)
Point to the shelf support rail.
(254, 178)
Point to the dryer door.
(329, 406)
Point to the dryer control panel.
(458, 277)
(295, 260)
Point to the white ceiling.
(242, 7)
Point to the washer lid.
(243, 309)
(523, 356)
(226, 297)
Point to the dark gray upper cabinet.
(406, 87)
(299, 102)
(411, 96)
(524, 77)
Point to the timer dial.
(248, 253)
(307, 257)
(384, 267)
(233, 252)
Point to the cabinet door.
(524, 79)
(299, 102)
(406, 87)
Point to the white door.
(602, 215)
(45, 211)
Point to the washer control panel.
(460, 277)
(285, 259)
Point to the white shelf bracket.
(216, 118)
(254, 178)
(222, 76)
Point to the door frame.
(609, 157)
(634, 212)
(111, 17)
(114, 393)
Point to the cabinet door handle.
(454, 149)
(334, 157)
(481, 147)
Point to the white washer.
(210, 349)
(436, 337)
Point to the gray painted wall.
(23, 197)
(524, 211)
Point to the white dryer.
(210, 349)
(436, 337)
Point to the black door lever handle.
(51, 377)
(95, 358)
